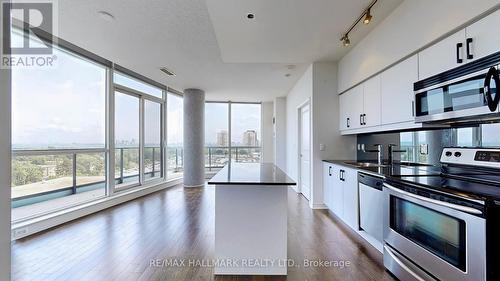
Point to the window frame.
(114, 188)
(109, 142)
(229, 131)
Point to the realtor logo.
(32, 27)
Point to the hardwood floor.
(123, 243)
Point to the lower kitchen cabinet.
(341, 192)
(350, 197)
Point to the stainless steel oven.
(430, 235)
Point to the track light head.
(345, 40)
(368, 17)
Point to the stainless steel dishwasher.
(371, 200)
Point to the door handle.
(492, 101)
(468, 47)
(459, 47)
(402, 265)
(434, 201)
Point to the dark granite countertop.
(251, 174)
(396, 170)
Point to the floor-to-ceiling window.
(127, 131)
(62, 120)
(174, 135)
(153, 163)
(58, 134)
(245, 132)
(232, 131)
(138, 131)
(216, 135)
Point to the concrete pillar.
(194, 137)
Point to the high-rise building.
(222, 138)
(250, 138)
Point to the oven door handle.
(437, 202)
(400, 263)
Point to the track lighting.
(345, 40)
(368, 17)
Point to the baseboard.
(30, 227)
(318, 206)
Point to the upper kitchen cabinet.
(473, 42)
(482, 37)
(371, 102)
(351, 108)
(360, 106)
(397, 91)
(444, 55)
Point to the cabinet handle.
(348, 122)
(364, 119)
(361, 119)
(330, 171)
(340, 175)
(413, 108)
(459, 46)
(468, 46)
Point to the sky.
(64, 107)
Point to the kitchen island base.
(251, 230)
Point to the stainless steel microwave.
(468, 93)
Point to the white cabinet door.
(371, 92)
(350, 195)
(351, 108)
(441, 56)
(327, 184)
(343, 111)
(356, 106)
(337, 193)
(485, 37)
(397, 94)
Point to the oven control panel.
(481, 157)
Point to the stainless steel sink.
(365, 164)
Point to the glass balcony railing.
(44, 181)
(216, 157)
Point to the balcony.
(215, 157)
(45, 181)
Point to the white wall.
(410, 27)
(298, 95)
(325, 126)
(319, 85)
(267, 132)
(5, 152)
(279, 134)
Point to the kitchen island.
(251, 219)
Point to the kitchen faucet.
(378, 150)
(392, 151)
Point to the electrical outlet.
(424, 149)
(20, 232)
(322, 147)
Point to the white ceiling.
(212, 45)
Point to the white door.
(305, 151)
